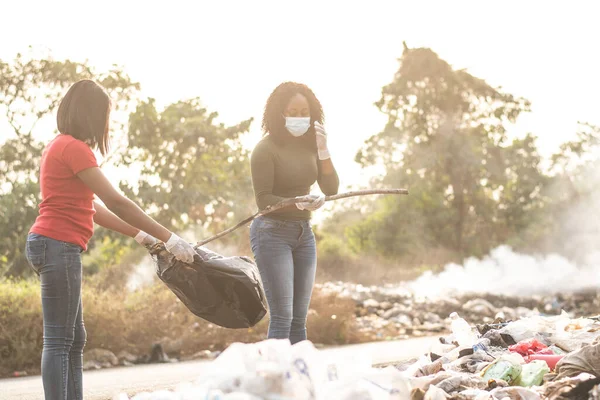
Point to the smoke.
(143, 274)
(506, 272)
(572, 265)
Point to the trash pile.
(394, 312)
(531, 358)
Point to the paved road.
(105, 384)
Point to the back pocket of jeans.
(36, 254)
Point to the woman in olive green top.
(291, 157)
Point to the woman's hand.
(182, 250)
(316, 202)
(321, 135)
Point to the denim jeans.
(58, 265)
(286, 255)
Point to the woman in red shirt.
(69, 178)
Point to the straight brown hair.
(83, 113)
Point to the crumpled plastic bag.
(275, 370)
(586, 359)
(527, 328)
(515, 393)
(531, 346)
(577, 387)
(575, 340)
(435, 393)
(226, 291)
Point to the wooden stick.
(292, 201)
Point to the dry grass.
(365, 270)
(117, 320)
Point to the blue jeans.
(58, 265)
(286, 255)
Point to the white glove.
(322, 149)
(145, 239)
(182, 250)
(316, 202)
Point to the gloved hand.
(322, 149)
(316, 202)
(182, 250)
(145, 239)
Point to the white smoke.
(573, 264)
(506, 272)
(143, 274)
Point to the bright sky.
(233, 53)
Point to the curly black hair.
(273, 122)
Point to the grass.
(118, 320)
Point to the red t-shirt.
(67, 207)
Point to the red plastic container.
(551, 359)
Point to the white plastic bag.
(275, 370)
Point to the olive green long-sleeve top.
(284, 171)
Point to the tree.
(446, 140)
(574, 194)
(192, 170)
(30, 91)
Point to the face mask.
(297, 126)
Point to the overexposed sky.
(233, 53)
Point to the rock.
(201, 355)
(522, 312)
(158, 355)
(481, 307)
(89, 365)
(101, 356)
(125, 356)
(403, 320)
(386, 305)
(371, 303)
(172, 346)
(509, 313)
(432, 318)
(389, 314)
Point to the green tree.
(575, 195)
(446, 140)
(192, 170)
(30, 91)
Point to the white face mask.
(297, 126)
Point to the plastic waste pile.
(532, 358)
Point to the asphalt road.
(106, 384)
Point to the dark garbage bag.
(226, 291)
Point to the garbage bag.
(577, 387)
(226, 291)
(586, 359)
